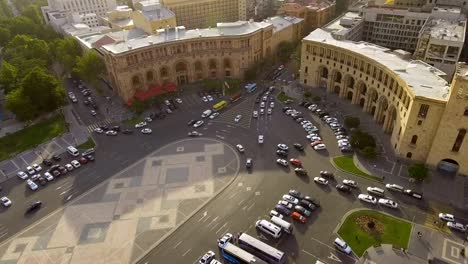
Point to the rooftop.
(446, 30)
(344, 22)
(280, 23)
(154, 10)
(425, 80)
(135, 38)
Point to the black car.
(55, 173)
(346, 149)
(90, 157)
(295, 193)
(302, 103)
(312, 200)
(343, 188)
(323, 114)
(281, 153)
(56, 158)
(42, 181)
(326, 174)
(191, 122)
(62, 170)
(300, 119)
(152, 115)
(249, 163)
(47, 162)
(54, 167)
(413, 194)
(257, 101)
(307, 105)
(171, 106)
(116, 128)
(300, 171)
(94, 105)
(104, 127)
(34, 206)
(307, 204)
(286, 108)
(298, 146)
(127, 131)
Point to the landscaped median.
(31, 136)
(282, 97)
(366, 228)
(346, 164)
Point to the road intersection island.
(122, 218)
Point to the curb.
(357, 175)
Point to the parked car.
(224, 239)
(367, 198)
(290, 199)
(300, 171)
(296, 162)
(343, 188)
(5, 201)
(327, 174)
(32, 185)
(146, 131)
(34, 206)
(75, 164)
(457, 226)
(282, 162)
(22, 175)
(207, 258)
(298, 217)
(388, 203)
(447, 217)
(302, 210)
(320, 180)
(350, 183)
(240, 148)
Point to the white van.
(88, 152)
(375, 190)
(268, 228)
(73, 151)
(342, 246)
(394, 187)
(206, 113)
(286, 226)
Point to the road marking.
(177, 244)
(335, 258)
(250, 207)
(221, 228)
(186, 252)
(249, 189)
(206, 219)
(234, 194)
(257, 193)
(241, 202)
(205, 213)
(240, 184)
(4, 234)
(215, 225)
(310, 254)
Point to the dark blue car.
(282, 209)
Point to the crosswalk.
(105, 122)
(3, 231)
(243, 108)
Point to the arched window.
(149, 76)
(414, 139)
(459, 140)
(306, 69)
(409, 155)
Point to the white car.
(260, 139)
(33, 186)
(286, 204)
(75, 164)
(342, 137)
(275, 213)
(282, 162)
(207, 258)
(350, 183)
(269, 111)
(5, 201)
(447, 217)
(199, 123)
(315, 138)
(194, 134)
(178, 100)
(30, 170)
(141, 124)
(111, 133)
(224, 239)
(320, 180)
(167, 102)
(98, 130)
(272, 104)
(262, 104)
(320, 146)
(367, 198)
(214, 115)
(210, 98)
(290, 199)
(22, 175)
(388, 203)
(48, 176)
(255, 114)
(262, 111)
(69, 167)
(146, 131)
(93, 113)
(456, 226)
(283, 147)
(204, 99)
(238, 118)
(240, 148)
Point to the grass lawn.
(87, 145)
(31, 137)
(395, 232)
(133, 121)
(346, 163)
(282, 97)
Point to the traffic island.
(366, 228)
(282, 97)
(346, 164)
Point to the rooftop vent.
(129, 47)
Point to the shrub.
(371, 224)
(352, 122)
(316, 98)
(418, 171)
(369, 152)
(361, 139)
(307, 94)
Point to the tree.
(369, 152)
(5, 9)
(27, 47)
(418, 171)
(8, 77)
(361, 140)
(32, 12)
(284, 51)
(20, 105)
(4, 36)
(307, 94)
(67, 51)
(352, 121)
(90, 66)
(22, 25)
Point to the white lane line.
(206, 219)
(232, 196)
(215, 225)
(241, 202)
(4, 234)
(221, 228)
(330, 247)
(177, 244)
(186, 252)
(250, 207)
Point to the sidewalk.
(77, 135)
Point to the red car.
(316, 143)
(298, 217)
(83, 160)
(296, 162)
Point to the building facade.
(181, 56)
(425, 116)
(194, 14)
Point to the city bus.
(239, 256)
(261, 249)
(220, 105)
(250, 87)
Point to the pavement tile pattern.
(120, 219)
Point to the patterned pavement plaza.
(122, 218)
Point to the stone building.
(426, 117)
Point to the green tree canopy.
(90, 66)
(20, 105)
(4, 9)
(284, 51)
(361, 139)
(8, 77)
(67, 51)
(33, 12)
(352, 121)
(27, 47)
(22, 25)
(418, 171)
(5, 36)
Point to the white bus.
(262, 250)
(239, 256)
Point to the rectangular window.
(423, 111)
